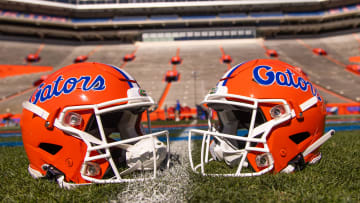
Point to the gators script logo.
(57, 88)
(283, 79)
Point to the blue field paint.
(343, 128)
(174, 128)
(180, 138)
(343, 122)
(17, 134)
(11, 144)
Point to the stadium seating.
(200, 57)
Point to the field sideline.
(335, 179)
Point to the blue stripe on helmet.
(123, 74)
(231, 72)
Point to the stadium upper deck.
(130, 20)
(112, 8)
(77, 2)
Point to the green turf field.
(334, 179)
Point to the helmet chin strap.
(142, 152)
(226, 152)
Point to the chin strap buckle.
(296, 164)
(52, 173)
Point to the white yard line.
(171, 184)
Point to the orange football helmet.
(82, 125)
(271, 118)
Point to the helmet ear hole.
(299, 137)
(50, 148)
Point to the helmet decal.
(283, 79)
(44, 93)
(128, 78)
(142, 92)
(228, 74)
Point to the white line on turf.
(171, 184)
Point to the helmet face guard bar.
(256, 134)
(242, 153)
(95, 144)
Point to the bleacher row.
(174, 17)
(200, 57)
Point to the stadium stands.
(320, 70)
(202, 57)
